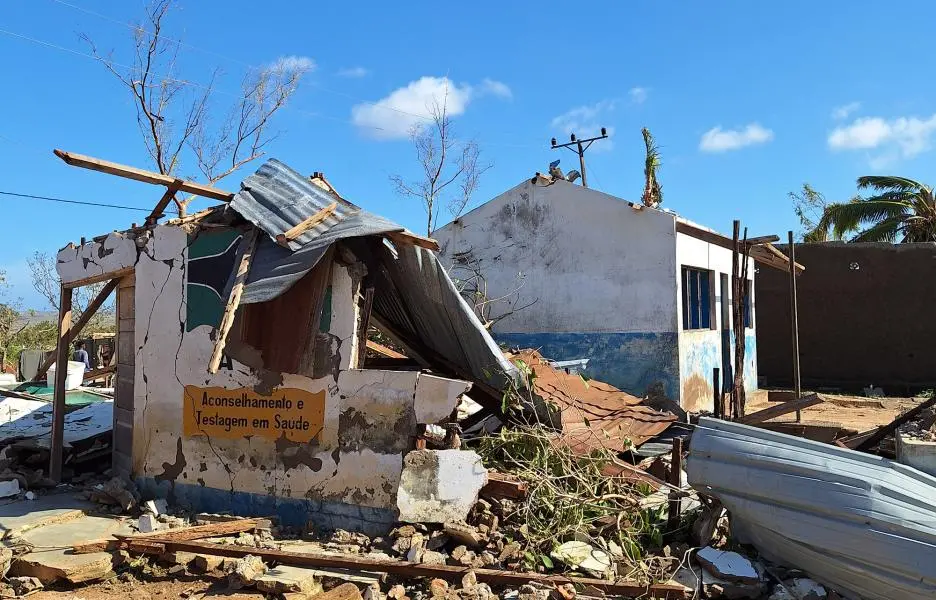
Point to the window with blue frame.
(697, 298)
(748, 313)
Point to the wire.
(82, 203)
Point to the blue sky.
(747, 100)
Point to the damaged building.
(243, 381)
(639, 295)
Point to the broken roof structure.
(242, 375)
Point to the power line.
(80, 202)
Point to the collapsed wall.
(322, 444)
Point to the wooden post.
(717, 407)
(794, 321)
(246, 251)
(739, 270)
(61, 372)
(672, 521)
(89, 312)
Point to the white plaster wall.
(590, 261)
(117, 251)
(356, 459)
(700, 350)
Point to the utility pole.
(580, 147)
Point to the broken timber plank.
(128, 172)
(781, 409)
(246, 251)
(97, 373)
(504, 485)
(284, 238)
(407, 238)
(22, 395)
(383, 350)
(411, 569)
(171, 190)
(195, 532)
(882, 432)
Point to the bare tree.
(173, 114)
(46, 282)
(450, 168)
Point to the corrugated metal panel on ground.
(859, 523)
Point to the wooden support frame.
(171, 191)
(759, 247)
(406, 238)
(89, 312)
(61, 371)
(245, 258)
(292, 233)
(779, 410)
(128, 172)
(628, 589)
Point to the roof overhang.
(762, 251)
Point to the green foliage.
(653, 191)
(570, 496)
(903, 211)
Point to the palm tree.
(902, 210)
(653, 192)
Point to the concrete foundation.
(915, 453)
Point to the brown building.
(867, 316)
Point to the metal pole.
(581, 153)
(794, 313)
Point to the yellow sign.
(225, 413)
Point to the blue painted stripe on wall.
(629, 361)
(295, 512)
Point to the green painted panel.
(211, 256)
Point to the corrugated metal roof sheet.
(859, 523)
(412, 291)
(594, 415)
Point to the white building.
(641, 293)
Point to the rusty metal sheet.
(594, 414)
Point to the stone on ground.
(799, 589)
(286, 578)
(730, 566)
(584, 556)
(438, 486)
(246, 571)
(147, 523)
(23, 585)
(205, 563)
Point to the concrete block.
(919, 454)
(9, 488)
(438, 486)
(147, 523)
(159, 506)
(285, 579)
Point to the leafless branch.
(471, 283)
(172, 114)
(435, 144)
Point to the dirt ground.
(850, 412)
(128, 587)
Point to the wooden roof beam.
(128, 172)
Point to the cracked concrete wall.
(346, 475)
(117, 251)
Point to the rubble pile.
(923, 428)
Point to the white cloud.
(495, 88)
(717, 139)
(844, 111)
(354, 72)
(293, 63)
(638, 94)
(395, 116)
(586, 121)
(903, 137)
